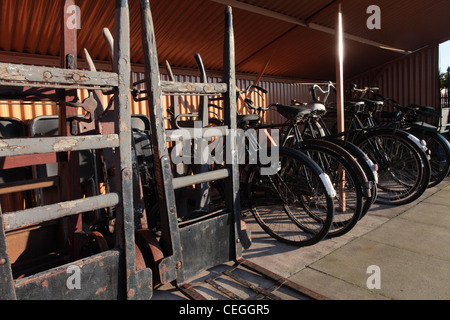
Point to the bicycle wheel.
(348, 201)
(317, 130)
(294, 205)
(439, 149)
(367, 165)
(403, 167)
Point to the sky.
(444, 56)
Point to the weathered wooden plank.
(193, 87)
(7, 291)
(24, 74)
(24, 146)
(27, 217)
(125, 212)
(185, 181)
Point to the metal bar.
(7, 291)
(340, 70)
(193, 88)
(19, 186)
(125, 214)
(170, 241)
(303, 23)
(196, 133)
(232, 199)
(69, 172)
(284, 281)
(222, 289)
(185, 181)
(23, 218)
(200, 144)
(26, 75)
(188, 290)
(27, 146)
(251, 286)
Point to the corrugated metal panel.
(411, 79)
(405, 24)
(186, 27)
(278, 92)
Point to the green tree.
(444, 79)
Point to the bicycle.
(294, 204)
(403, 166)
(407, 118)
(345, 173)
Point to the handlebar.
(327, 92)
(364, 90)
(248, 101)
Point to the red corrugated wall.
(410, 79)
(281, 92)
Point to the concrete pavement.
(405, 250)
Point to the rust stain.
(45, 284)
(100, 290)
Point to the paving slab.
(436, 214)
(403, 274)
(424, 238)
(408, 243)
(333, 287)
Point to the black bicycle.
(403, 166)
(291, 198)
(408, 118)
(353, 189)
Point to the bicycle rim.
(348, 199)
(439, 158)
(285, 203)
(401, 175)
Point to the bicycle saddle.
(356, 106)
(246, 121)
(316, 108)
(293, 112)
(423, 110)
(373, 105)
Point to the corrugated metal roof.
(186, 27)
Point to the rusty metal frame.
(113, 274)
(278, 281)
(216, 237)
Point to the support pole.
(340, 94)
(69, 171)
(340, 69)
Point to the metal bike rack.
(216, 237)
(139, 259)
(112, 273)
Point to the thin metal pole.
(340, 69)
(340, 94)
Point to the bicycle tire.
(349, 195)
(398, 183)
(283, 203)
(368, 166)
(317, 130)
(439, 149)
